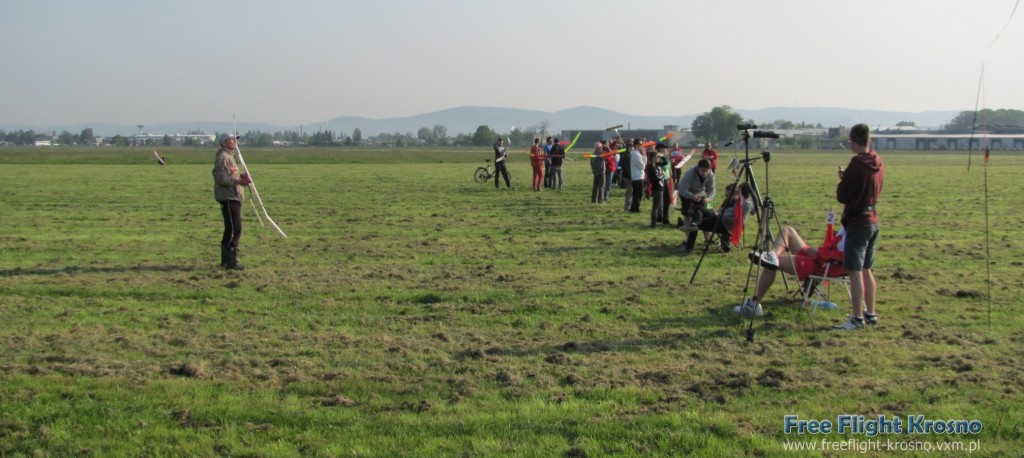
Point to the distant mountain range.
(467, 119)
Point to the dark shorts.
(859, 253)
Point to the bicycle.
(484, 174)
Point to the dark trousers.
(556, 176)
(547, 175)
(231, 210)
(709, 223)
(500, 169)
(692, 209)
(638, 194)
(597, 192)
(656, 208)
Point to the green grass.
(413, 312)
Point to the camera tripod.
(764, 209)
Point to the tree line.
(714, 126)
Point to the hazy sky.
(301, 62)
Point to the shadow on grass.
(18, 271)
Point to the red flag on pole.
(737, 223)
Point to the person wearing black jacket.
(598, 166)
(557, 154)
(500, 166)
(656, 178)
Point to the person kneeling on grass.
(722, 222)
(696, 190)
(793, 256)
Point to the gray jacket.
(690, 186)
(225, 185)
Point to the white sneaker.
(748, 308)
(768, 260)
(852, 323)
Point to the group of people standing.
(546, 162)
(649, 172)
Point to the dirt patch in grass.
(961, 293)
(656, 377)
(193, 369)
(772, 378)
(335, 401)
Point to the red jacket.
(536, 157)
(712, 157)
(830, 254)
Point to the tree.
(425, 135)
(541, 128)
(440, 134)
(997, 121)
(483, 136)
(118, 140)
(906, 124)
(718, 124)
(264, 139)
(66, 138)
(806, 141)
(522, 137)
(357, 137)
(323, 138)
(167, 140)
(462, 140)
(87, 137)
(29, 137)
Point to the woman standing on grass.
(227, 189)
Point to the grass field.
(414, 312)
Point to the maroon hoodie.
(859, 189)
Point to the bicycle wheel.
(482, 175)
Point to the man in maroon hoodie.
(860, 184)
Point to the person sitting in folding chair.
(723, 223)
(802, 261)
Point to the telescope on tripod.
(764, 208)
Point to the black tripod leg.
(705, 253)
